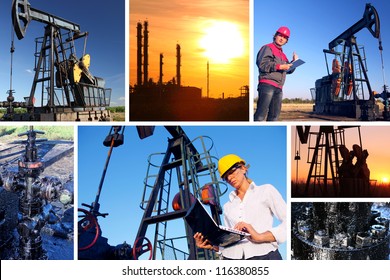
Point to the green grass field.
(51, 132)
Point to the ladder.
(185, 163)
(324, 162)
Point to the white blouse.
(258, 208)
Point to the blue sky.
(264, 148)
(313, 25)
(105, 22)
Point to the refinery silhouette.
(171, 101)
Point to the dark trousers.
(273, 255)
(269, 103)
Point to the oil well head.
(36, 216)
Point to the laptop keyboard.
(240, 232)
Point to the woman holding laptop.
(250, 208)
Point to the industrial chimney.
(139, 54)
(160, 80)
(178, 64)
(208, 79)
(146, 54)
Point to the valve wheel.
(87, 222)
(139, 248)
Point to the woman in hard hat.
(273, 66)
(250, 208)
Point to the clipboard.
(297, 63)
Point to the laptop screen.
(200, 220)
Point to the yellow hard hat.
(227, 162)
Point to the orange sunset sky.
(214, 31)
(375, 140)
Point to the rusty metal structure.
(34, 192)
(186, 171)
(63, 84)
(340, 231)
(346, 90)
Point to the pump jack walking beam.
(370, 21)
(22, 14)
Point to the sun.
(385, 180)
(222, 41)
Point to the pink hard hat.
(284, 31)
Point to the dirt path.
(304, 112)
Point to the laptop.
(201, 221)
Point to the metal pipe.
(96, 205)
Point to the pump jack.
(331, 161)
(68, 91)
(342, 91)
(189, 163)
